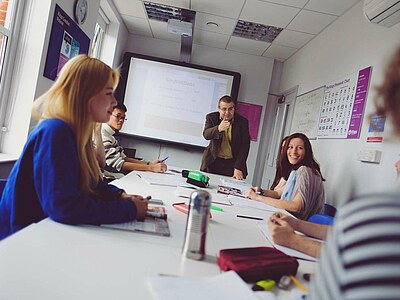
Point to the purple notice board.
(252, 112)
(66, 41)
(359, 103)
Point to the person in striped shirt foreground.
(361, 259)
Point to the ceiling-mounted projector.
(180, 27)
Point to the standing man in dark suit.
(228, 133)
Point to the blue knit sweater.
(45, 182)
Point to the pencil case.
(257, 263)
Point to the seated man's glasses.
(120, 117)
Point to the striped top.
(362, 257)
(115, 156)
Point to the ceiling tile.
(277, 51)
(311, 22)
(226, 25)
(175, 3)
(136, 25)
(268, 13)
(225, 8)
(159, 30)
(293, 39)
(302, 20)
(134, 8)
(247, 46)
(334, 7)
(294, 3)
(210, 39)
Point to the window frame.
(13, 33)
(99, 32)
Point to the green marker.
(216, 208)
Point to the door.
(282, 123)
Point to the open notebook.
(150, 225)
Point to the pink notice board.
(252, 112)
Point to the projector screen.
(168, 101)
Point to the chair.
(321, 219)
(130, 152)
(329, 210)
(326, 218)
(2, 185)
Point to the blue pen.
(164, 159)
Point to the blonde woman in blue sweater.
(57, 174)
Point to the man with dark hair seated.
(117, 163)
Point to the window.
(5, 16)
(99, 31)
(10, 20)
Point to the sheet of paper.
(184, 192)
(162, 178)
(244, 202)
(220, 199)
(264, 229)
(237, 184)
(227, 285)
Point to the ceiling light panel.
(256, 31)
(161, 12)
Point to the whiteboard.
(306, 112)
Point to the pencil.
(298, 284)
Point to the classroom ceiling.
(223, 23)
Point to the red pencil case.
(258, 263)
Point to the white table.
(49, 260)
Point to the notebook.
(150, 225)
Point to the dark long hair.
(308, 159)
(388, 100)
(278, 172)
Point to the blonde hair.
(81, 79)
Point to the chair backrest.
(2, 185)
(329, 210)
(321, 219)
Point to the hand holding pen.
(251, 193)
(159, 166)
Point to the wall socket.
(369, 155)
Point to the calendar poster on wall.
(343, 106)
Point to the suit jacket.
(240, 141)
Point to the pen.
(216, 208)
(249, 217)
(164, 159)
(298, 284)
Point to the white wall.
(349, 44)
(256, 74)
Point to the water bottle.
(196, 225)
